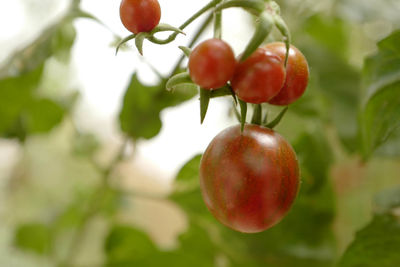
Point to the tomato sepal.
(123, 41)
(180, 81)
(257, 114)
(243, 114)
(186, 50)
(205, 96)
(277, 119)
(139, 39)
(164, 27)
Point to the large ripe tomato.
(212, 64)
(296, 74)
(140, 15)
(249, 180)
(259, 77)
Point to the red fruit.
(212, 64)
(249, 180)
(259, 77)
(296, 74)
(140, 15)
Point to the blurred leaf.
(62, 41)
(189, 173)
(85, 144)
(56, 40)
(33, 237)
(140, 114)
(187, 189)
(387, 200)
(391, 146)
(377, 244)
(42, 115)
(334, 87)
(329, 32)
(380, 116)
(21, 112)
(126, 246)
(15, 94)
(315, 157)
(338, 82)
(125, 243)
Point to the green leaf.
(377, 244)
(140, 114)
(33, 237)
(380, 116)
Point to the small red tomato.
(259, 77)
(249, 180)
(140, 15)
(212, 64)
(296, 74)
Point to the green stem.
(92, 208)
(197, 35)
(218, 24)
(172, 37)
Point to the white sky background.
(102, 77)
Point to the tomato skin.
(297, 73)
(250, 180)
(140, 15)
(212, 64)
(259, 77)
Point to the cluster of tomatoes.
(249, 176)
(250, 179)
(260, 78)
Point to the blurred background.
(98, 163)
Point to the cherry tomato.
(249, 180)
(296, 74)
(212, 64)
(259, 77)
(140, 15)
